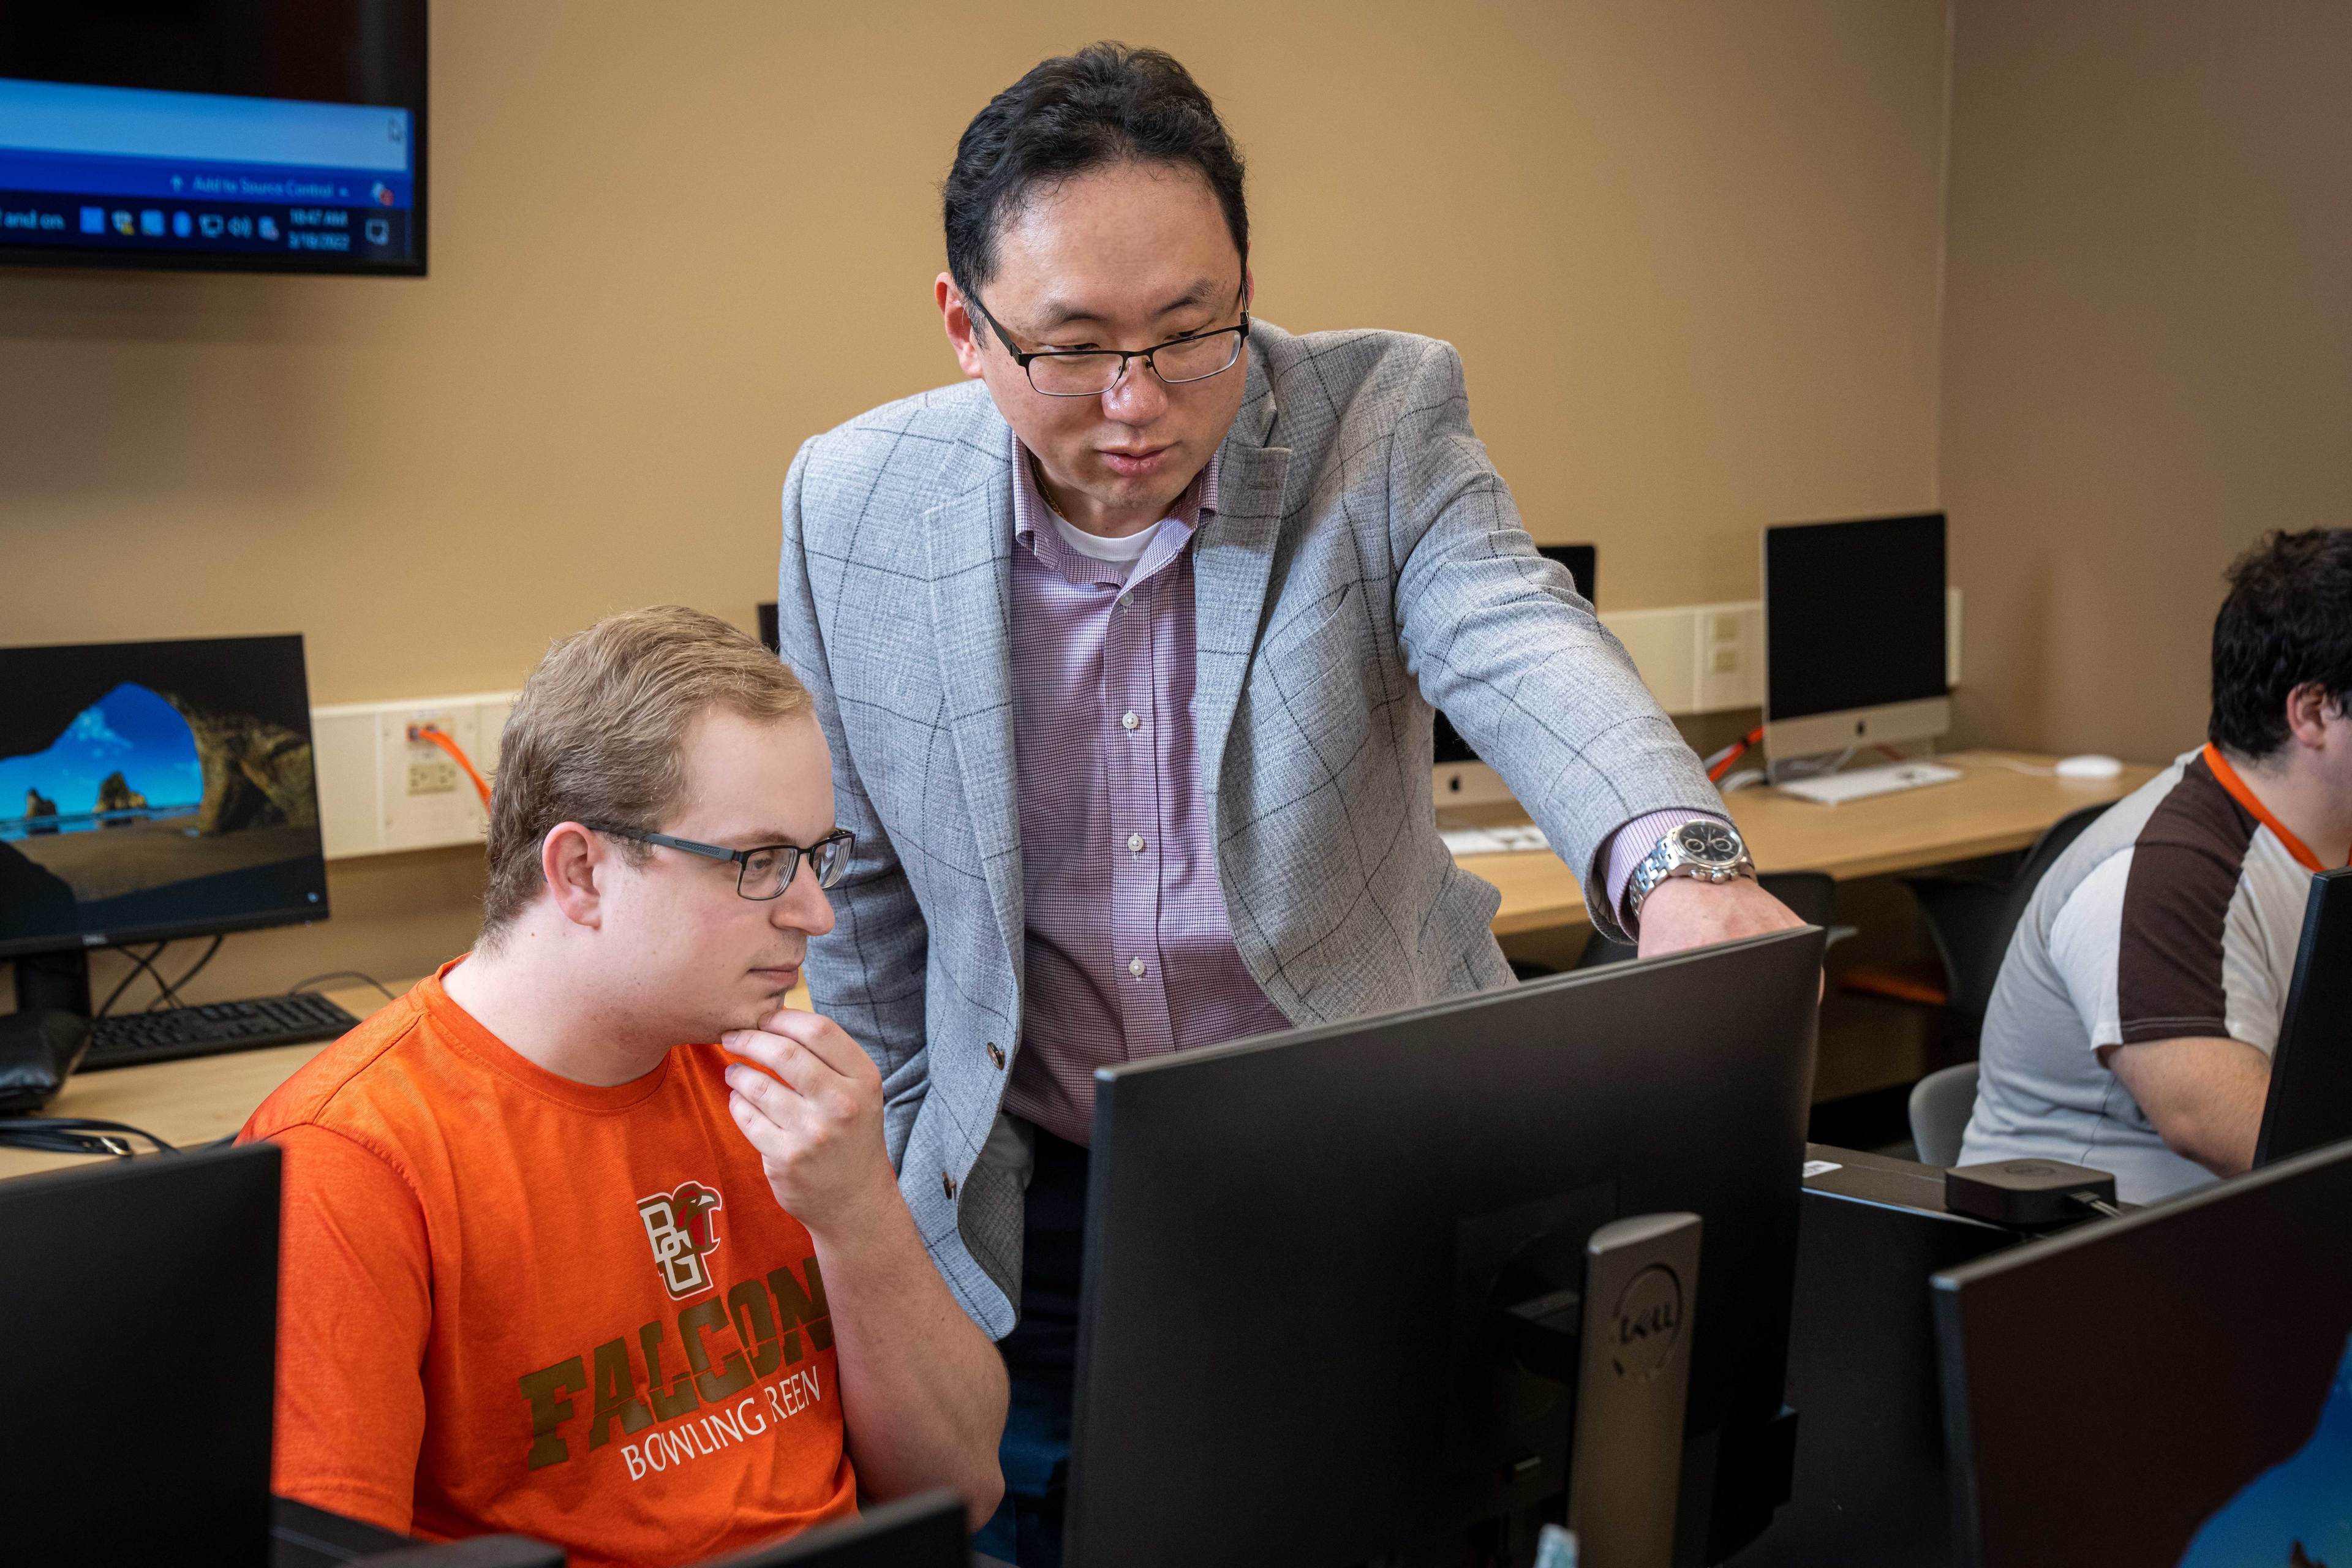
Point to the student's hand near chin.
(923, 1391)
(819, 1131)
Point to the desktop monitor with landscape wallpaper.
(152, 790)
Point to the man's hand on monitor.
(1684, 912)
(817, 1122)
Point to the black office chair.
(1973, 921)
(1807, 894)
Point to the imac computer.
(151, 791)
(1339, 1298)
(2169, 1387)
(1854, 635)
(1459, 778)
(2310, 1098)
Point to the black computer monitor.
(1855, 633)
(1298, 1247)
(140, 1306)
(150, 790)
(229, 137)
(923, 1531)
(2169, 1387)
(2310, 1099)
(1583, 563)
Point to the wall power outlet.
(433, 778)
(379, 790)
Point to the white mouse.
(2090, 765)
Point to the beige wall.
(1689, 252)
(2147, 346)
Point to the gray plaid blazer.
(1369, 562)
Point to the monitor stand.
(58, 980)
(1623, 1342)
(1641, 1282)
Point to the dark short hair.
(1106, 104)
(2286, 623)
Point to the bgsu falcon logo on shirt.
(683, 1226)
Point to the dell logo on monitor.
(1648, 1322)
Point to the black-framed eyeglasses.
(1090, 372)
(765, 872)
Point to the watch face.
(1709, 842)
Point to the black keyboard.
(133, 1040)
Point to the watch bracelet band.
(1659, 865)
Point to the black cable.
(390, 996)
(75, 1135)
(137, 965)
(173, 990)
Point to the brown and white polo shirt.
(2176, 913)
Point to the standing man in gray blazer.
(1126, 656)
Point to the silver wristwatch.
(1710, 850)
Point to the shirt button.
(1135, 842)
(947, 1183)
(1128, 721)
(1135, 967)
(995, 1056)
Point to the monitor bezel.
(1877, 724)
(198, 1229)
(95, 942)
(2305, 1062)
(178, 931)
(68, 258)
(1734, 1411)
(1950, 1292)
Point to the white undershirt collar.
(1122, 552)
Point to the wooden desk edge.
(1552, 915)
(1567, 907)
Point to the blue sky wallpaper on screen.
(2298, 1514)
(130, 731)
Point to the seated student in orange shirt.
(552, 1263)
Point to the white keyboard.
(1860, 783)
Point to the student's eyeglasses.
(765, 872)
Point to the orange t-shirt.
(508, 1301)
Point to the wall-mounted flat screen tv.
(237, 135)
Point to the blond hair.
(598, 734)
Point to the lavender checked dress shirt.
(1129, 949)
